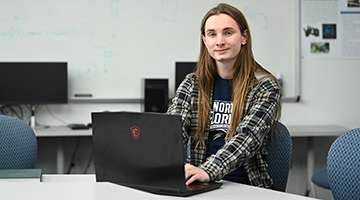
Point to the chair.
(343, 164)
(279, 157)
(320, 179)
(18, 144)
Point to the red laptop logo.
(135, 132)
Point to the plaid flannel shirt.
(247, 146)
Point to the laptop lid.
(141, 150)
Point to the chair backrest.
(343, 165)
(279, 157)
(18, 144)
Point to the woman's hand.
(193, 173)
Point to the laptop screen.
(143, 149)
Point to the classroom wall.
(329, 94)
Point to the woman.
(229, 105)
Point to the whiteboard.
(111, 45)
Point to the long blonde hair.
(243, 75)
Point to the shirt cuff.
(213, 170)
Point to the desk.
(61, 131)
(310, 132)
(84, 187)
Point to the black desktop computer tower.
(181, 70)
(156, 95)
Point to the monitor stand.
(33, 119)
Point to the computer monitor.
(33, 83)
(181, 70)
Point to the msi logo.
(135, 132)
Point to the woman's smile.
(222, 51)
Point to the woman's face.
(223, 38)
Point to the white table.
(84, 187)
(310, 132)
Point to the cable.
(89, 162)
(10, 111)
(57, 118)
(72, 162)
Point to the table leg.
(310, 164)
(60, 157)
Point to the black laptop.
(142, 151)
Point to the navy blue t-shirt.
(219, 124)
